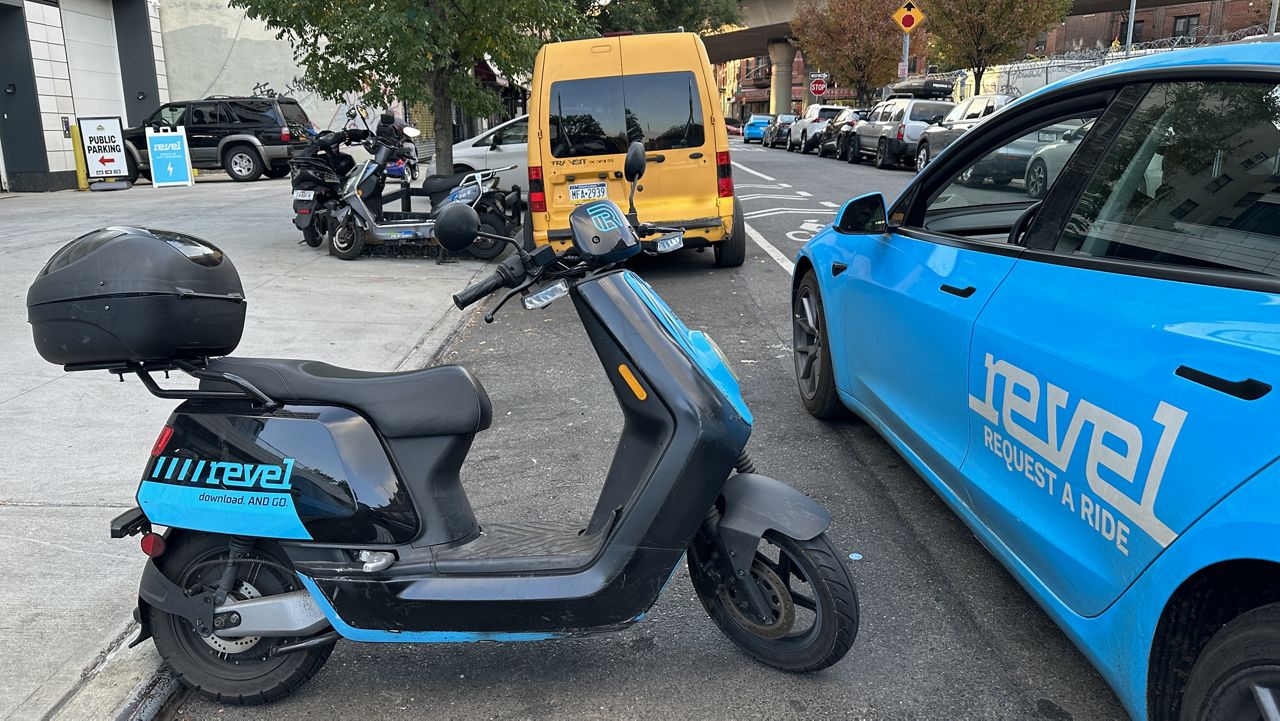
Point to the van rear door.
(669, 110)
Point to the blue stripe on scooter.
(220, 510)
(375, 635)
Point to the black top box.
(133, 295)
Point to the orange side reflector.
(630, 378)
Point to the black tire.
(791, 147)
(804, 144)
(842, 150)
(485, 248)
(855, 151)
(882, 154)
(1002, 180)
(131, 168)
(732, 251)
(231, 674)
(811, 351)
(276, 171)
(311, 236)
(1243, 655)
(922, 157)
(1037, 179)
(817, 569)
(822, 148)
(242, 163)
(347, 240)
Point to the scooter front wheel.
(811, 595)
(244, 670)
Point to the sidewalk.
(74, 444)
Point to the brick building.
(1107, 23)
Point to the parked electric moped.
(306, 503)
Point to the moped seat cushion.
(438, 183)
(440, 401)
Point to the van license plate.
(304, 195)
(583, 192)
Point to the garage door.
(90, 35)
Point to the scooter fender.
(302, 220)
(755, 504)
(157, 590)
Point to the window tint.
(207, 114)
(828, 113)
(294, 115)
(786, 118)
(1192, 179)
(170, 115)
(252, 112)
(1005, 174)
(975, 109)
(514, 134)
(898, 114)
(601, 116)
(958, 112)
(758, 118)
(924, 112)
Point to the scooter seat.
(440, 401)
(440, 183)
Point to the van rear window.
(602, 116)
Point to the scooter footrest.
(528, 546)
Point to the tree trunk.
(442, 108)
(978, 72)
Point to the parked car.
(945, 129)
(586, 107)
(754, 128)
(1090, 382)
(1047, 160)
(247, 137)
(894, 128)
(776, 131)
(499, 147)
(837, 134)
(805, 132)
(1011, 161)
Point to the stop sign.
(818, 87)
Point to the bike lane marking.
(756, 173)
(768, 248)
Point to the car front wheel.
(922, 157)
(242, 163)
(811, 351)
(1037, 179)
(1237, 675)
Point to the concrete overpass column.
(782, 54)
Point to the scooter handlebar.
(473, 293)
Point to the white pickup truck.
(807, 130)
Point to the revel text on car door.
(1121, 378)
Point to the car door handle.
(953, 290)
(838, 268)
(1247, 389)
(656, 158)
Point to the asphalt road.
(946, 632)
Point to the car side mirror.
(493, 141)
(456, 227)
(633, 168)
(937, 120)
(863, 214)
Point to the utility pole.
(1271, 27)
(1133, 9)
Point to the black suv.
(247, 137)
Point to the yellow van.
(591, 98)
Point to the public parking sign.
(103, 143)
(170, 156)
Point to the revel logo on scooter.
(227, 474)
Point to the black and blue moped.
(305, 503)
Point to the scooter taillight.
(161, 441)
(537, 195)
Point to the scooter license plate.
(584, 192)
(304, 195)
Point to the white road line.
(783, 185)
(773, 252)
(773, 196)
(804, 194)
(785, 211)
(830, 204)
(756, 173)
(761, 185)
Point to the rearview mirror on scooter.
(633, 168)
(456, 227)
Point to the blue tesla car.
(1088, 379)
(754, 127)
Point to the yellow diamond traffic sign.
(908, 17)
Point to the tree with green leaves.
(977, 34)
(414, 51)
(644, 16)
(853, 40)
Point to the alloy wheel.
(922, 158)
(807, 341)
(241, 163)
(1037, 180)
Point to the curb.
(153, 689)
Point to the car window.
(898, 114)
(1191, 179)
(294, 115)
(759, 119)
(990, 107)
(976, 109)
(206, 114)
(925, 112)
(601, 116)
(786, 118)
(1001, 176)
(957, 113)
(252, 112)
(170, 115)
(829, 113)
(514, 134)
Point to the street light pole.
(1271, 27)
(1128, 38)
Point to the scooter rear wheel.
(812, 596)
(230, 670)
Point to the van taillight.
(537, 195)
(285, 136)
(724, 174)
(902, 129)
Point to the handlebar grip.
(473, 293)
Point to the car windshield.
(602, 116)
(924, 112)
(786, 118)
(759, 119)
(829, 113)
